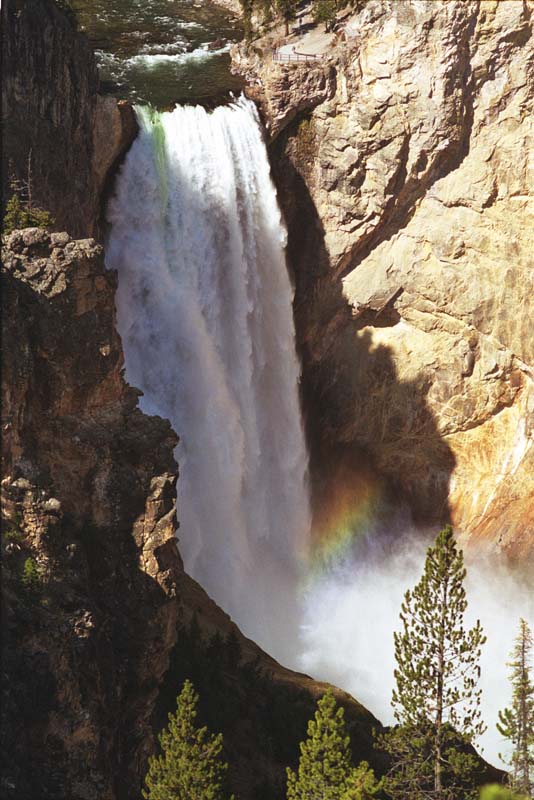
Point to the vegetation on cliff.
(516, 723)
(21, 211)
(325, 768)
(257, 13)
(19, 214)
(436, 701)
(190, 766)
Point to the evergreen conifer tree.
(287, 9)
(516, 723)
(18, 215)
(325, 770)
(325, 11)
(189, 767)
(436, 701)
(362, 784)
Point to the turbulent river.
(161, 51)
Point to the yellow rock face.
(420, 171)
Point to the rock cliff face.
(54, 119)
(101, 624)
(88, 494)
(405, 169)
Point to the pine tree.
(325, 770)
(436, 701)
(20, 211)
(288, 11)
(17, 215)
(362, 784)
(325, 11)
(31, 576)
(189, 767)
(516, 723)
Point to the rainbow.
(348, 514)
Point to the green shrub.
(31, 576)
(19, 215)
(497, 792)
(12, 535)
(324, 11)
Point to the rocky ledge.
(404, 166)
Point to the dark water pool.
(161, 51)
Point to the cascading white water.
(204, 310)
(205, 313)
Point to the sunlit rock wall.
(405, 169)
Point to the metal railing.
(286, 57)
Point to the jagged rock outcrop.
(55, 124)
(231, 5)
(88, 492)
(101, 625)
(407, 188)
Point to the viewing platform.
(285, 56)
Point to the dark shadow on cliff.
(49, 94)
(87, 477)
(77, 691)
(373, 439)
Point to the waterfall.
(205, 313)
(204, 306)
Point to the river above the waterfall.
(161, 52)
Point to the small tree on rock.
(190, 765)
(516, 723)
(287, 9)
(436, 700)
(20, 211)
(325, 11)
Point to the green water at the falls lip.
(161, 52)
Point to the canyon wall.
(405, 168)
(57, 129)
(101, 624)
(88, 498)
